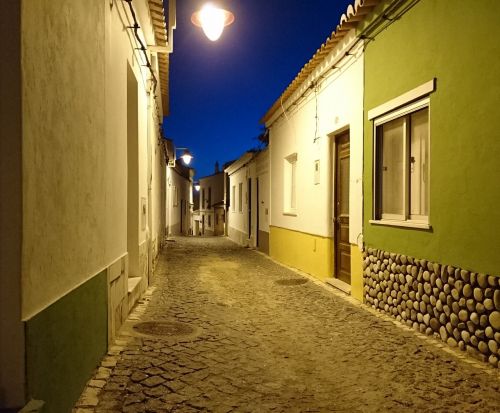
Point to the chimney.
(217, 167)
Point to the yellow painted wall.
(312, 254)
(356, 272)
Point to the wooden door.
(342, 245)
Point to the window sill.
(404, 224)
(290, 214)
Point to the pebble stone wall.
(460, 307)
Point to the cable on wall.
(368, 34)
(142, 47)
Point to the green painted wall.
(457, 43)
(65, 343)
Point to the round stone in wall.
(478, 294)
(488, 304)
(483, 347)
(482, 280)
(464, 316)
(492, 281)
(495, 320)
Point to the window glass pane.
(419, 162)
(293, 195)
(392, 167)
(344, 186)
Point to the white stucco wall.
(216, 182)
(339, 102)
(262, 172)
(183, 186)
(253, 166)
(238, 220)
(75, 143)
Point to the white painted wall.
(176, 182)
(216, 183)
(238, 220)
(262, 172)
(339, 106)
(251, 166)
(75, 146)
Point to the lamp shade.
(186, 157)
(212, 19)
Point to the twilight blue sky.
(220, 90)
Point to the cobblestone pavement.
(261, 346)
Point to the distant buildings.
(248, 206)
(179, 195)
(211, 216)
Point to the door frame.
(335, 210)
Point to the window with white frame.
(233, 198)
(290, 184)
(240, 197)
(401, 167)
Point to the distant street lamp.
(197, 186)
(212, 18)
(186, 155)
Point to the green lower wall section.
(312, 254)
(435, 39)
(64, 344)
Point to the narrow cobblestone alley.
(257, 337)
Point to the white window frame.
(290, 185)
(406, 219)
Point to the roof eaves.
(348, 21)
(157, 11)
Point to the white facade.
(179, 200)
(307, 133)
(212, 210)
(248, 212)
(90, 175)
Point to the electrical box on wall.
(316, 172)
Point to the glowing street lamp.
(186, 155)
(197, 186)
(212, 19)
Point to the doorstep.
(134, 291)
(340, 285)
